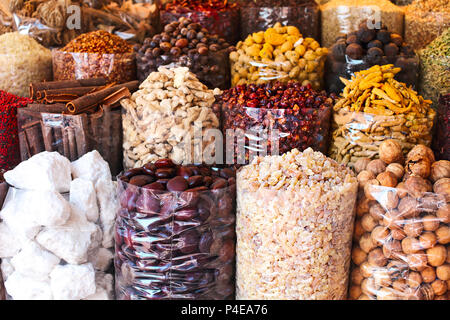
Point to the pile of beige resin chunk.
(160, 118)
(294, 227)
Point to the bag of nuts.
(279, 53)
(175, 235)
(375, 107)
(402, 231)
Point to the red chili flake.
(9, 137)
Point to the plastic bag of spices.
(273, 119)
(187, 44)
(257, 15)
(402, 231)
(365, 48)
(385, 109)
(294, 225)
(220, 17)
(97, 54)
(441, 140)
(341, 17)
(279, 53)
(175, 235)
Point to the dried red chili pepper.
(9, 140)
(300, 114)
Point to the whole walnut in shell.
(442, 186)
(387, 179)
(417, 186)
(440, 169)
(419, 165)
(361, 164)
(397, 169)
(391, 151)
(376, 166)
(420, 151)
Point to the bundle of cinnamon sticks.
(73, 118)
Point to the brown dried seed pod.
(397, 169)
(440, 169)
(376, 166)
(361, 164)
(390, 151)
(387, 179)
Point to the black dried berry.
(390, 50)
(354, 51)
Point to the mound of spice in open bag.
(375, 107)
(402, 231)
(57, 227)
(175, 235)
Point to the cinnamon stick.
(72, 143)
(112, 100)
(40, 86)
(64, 95)
(92, 100)
(47, 136)
(39, 107)
(58, 143)
(65, 143)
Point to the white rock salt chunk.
(7, 268)
(21, 287)
(101, 259)
(82, 196)
(91, 167)
(44, 171)
(109, 206)
(9, 244)
(72, 282)
(35, 262)
(71, 241)
(104, 284)
(49, 208)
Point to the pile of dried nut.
(402, 231)
(159, 120)
(375, 107)
(279, 53)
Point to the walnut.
(366, 243)
(443, 234)
(362, 206)
(410, 245)
(365, 176)
(413, 228)
(414, 279)
(399, 285)
(437, 255)
(370, 189)
(391, 199)
(354, 292)
(443, 272)
(427, 240)
(369, 287)
(421, 151)
(359, 231)
(417, 186)
(386, 294)
(401, 190)
(428, 274)
(379, 235)
(366, 269)
(419, 166)
(382, 278)
(440, 169)
(397, 169)
(408, 207)
(361, 164)
(430, 222)
(392, 220)
(417, 261)
(377, 258)
(377, 211)
(442, 186)
(376, 166)
(387, 179)
(358, 256)
(439, 287)
(392, 248)
(391, 151)
(368, 222)
(398, 234)
(356, 276)
(443, 213)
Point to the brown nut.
(443, 234)
(368, 222)
(417, 186)
(399, 285)
(368, 287)
(391, 199)
(390, 151)
(392, 220)
(443, 272)
(376, 211)
(387, 179)
(440, 169)
(354, 292)
(361, 164)
(401, 190)
(370, 189)
(358, 256)
(439, 287)
(386, 294)
(421, 151)
(430, 222)
(366, 243)
(413, 228)
(437, 255)
(414, 279)
(356, 276)
(362, 206)
(365, 176)
(398, 234)
(410, 245)
(418, 166)
(380, 235)
(417, 261)
(377, 258)
(366, 269)
(396, 169)
(382, 277)
(359, 231)
(392, 249)
(376, 166)
(442, 186)
(443, 213)
(427, 240)
(428, 274)
(408, 208)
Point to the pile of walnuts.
(402, 231)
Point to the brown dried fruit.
(361, 164)
(391, 151)
(387, 179)
(440, 169)
(376, 166)
(397, 169)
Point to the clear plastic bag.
(358, 135)
(55, 249)
(293, 233)
(274, 131)
(441, 140)
(401, 245)
(116, 68)
(260, 15)
(175, 245)
(72, 135)
(344, 16)
(224, 22)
